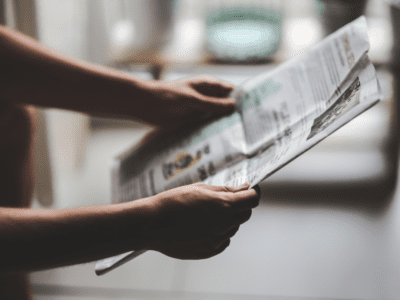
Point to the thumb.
(211, 87)
(210, 104)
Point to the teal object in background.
(243, 34)
(320, 7)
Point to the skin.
(52, 80)
(190, 222)
(16, 181)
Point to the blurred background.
(328, 226)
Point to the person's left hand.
(197, 221)
(171, 104)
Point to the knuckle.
(207, 79)
(218, 232)
(225, 245)
(248, 215)
(245, 216)
(219, 207)
(256, 201)
(211, 244)
(220, 249)
(235, 230)
(224, 205)
(228, 189)
(201, 77)
(196, 80)
(199, 184)
(222, 189)
(225, 193)
(231, 232)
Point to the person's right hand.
(197, 221)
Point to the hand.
(198, 220)
(171, 104)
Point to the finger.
(205, 246)
(243, 187)
(257, 189)
(235, 220)
(239, 198)
(216, 241)
(214, 104)
(231, 233)
(241, 218)
(189, 120)
(199, 253)
(196, 117)
(228, 189)
(153, 134)
(227, 233)
(225, 225)
(212, 87)
(222, 247)
(244, 199)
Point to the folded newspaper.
(278, 116)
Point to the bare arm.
(39, 239)
(190, 222)
(33, 74)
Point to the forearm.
(40, 239)
(33, 74)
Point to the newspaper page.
(278, 116)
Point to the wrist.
(136, 224)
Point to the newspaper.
(278, 116)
